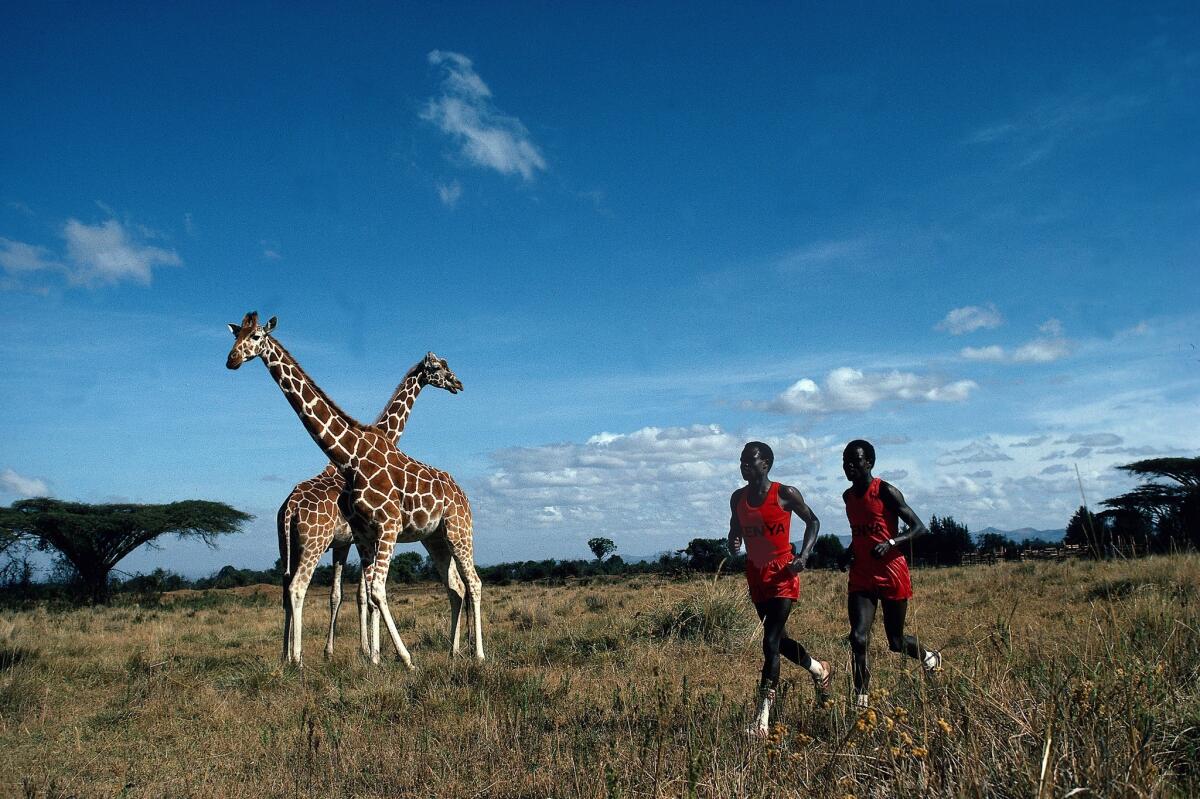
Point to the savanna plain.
(1073, 678)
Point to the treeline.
(1161, 515)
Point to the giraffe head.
(436, 372)
(250, 338)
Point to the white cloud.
(824, 252)
(1051, 346)
(970, 318)
(992, 353)
(21, 486)
(486, 137)
(450, 193)
(650, 489)
(106, 253)
(1040, 129)
(982, 451)
(1042, 351)
(849, 389)
(1035, 441)
(19, 258)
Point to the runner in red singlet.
(761, 516)
(878, 570)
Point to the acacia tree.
(94, 538)
(601, 547)
(1171, 498)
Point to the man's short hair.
(865, 446)
(763, 450)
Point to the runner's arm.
(894, 500)
(735, 531)
(793, 501)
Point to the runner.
(760, 514)
(878, 570)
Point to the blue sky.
(641, 234)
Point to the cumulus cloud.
(665, 484)
(485, 136)
(1035, 441)
(22, 486)
(102, 254)
(970, 318)
(1052, 345)
(1057, 468)
(848, 389)
(1042, 351)
(107, 253)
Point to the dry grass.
(626, 688)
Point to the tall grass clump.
(713, 612)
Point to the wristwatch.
(891, 542)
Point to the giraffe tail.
(283, 521)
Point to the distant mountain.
(1023, 534)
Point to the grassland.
(1074, 678)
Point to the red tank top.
(871, 523)
(766, 528)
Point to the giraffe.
(389, 497)
(310, 522)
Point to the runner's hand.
(735, 544)
(881, 549)
(798, 565)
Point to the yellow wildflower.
(945, 725)
(920, 752)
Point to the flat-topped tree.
(94, 538)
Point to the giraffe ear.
(270, 325)
(234, 329)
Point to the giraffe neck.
(334, 431)
(393, 417)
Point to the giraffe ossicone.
(389, 497)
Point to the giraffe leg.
(340, 553)
(383, 554)
(287, 619)
(439, 551)
(296, 592)
(458, 533)
(364, 640)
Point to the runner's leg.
(861, 609)
(774, 615)
(894, 612)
